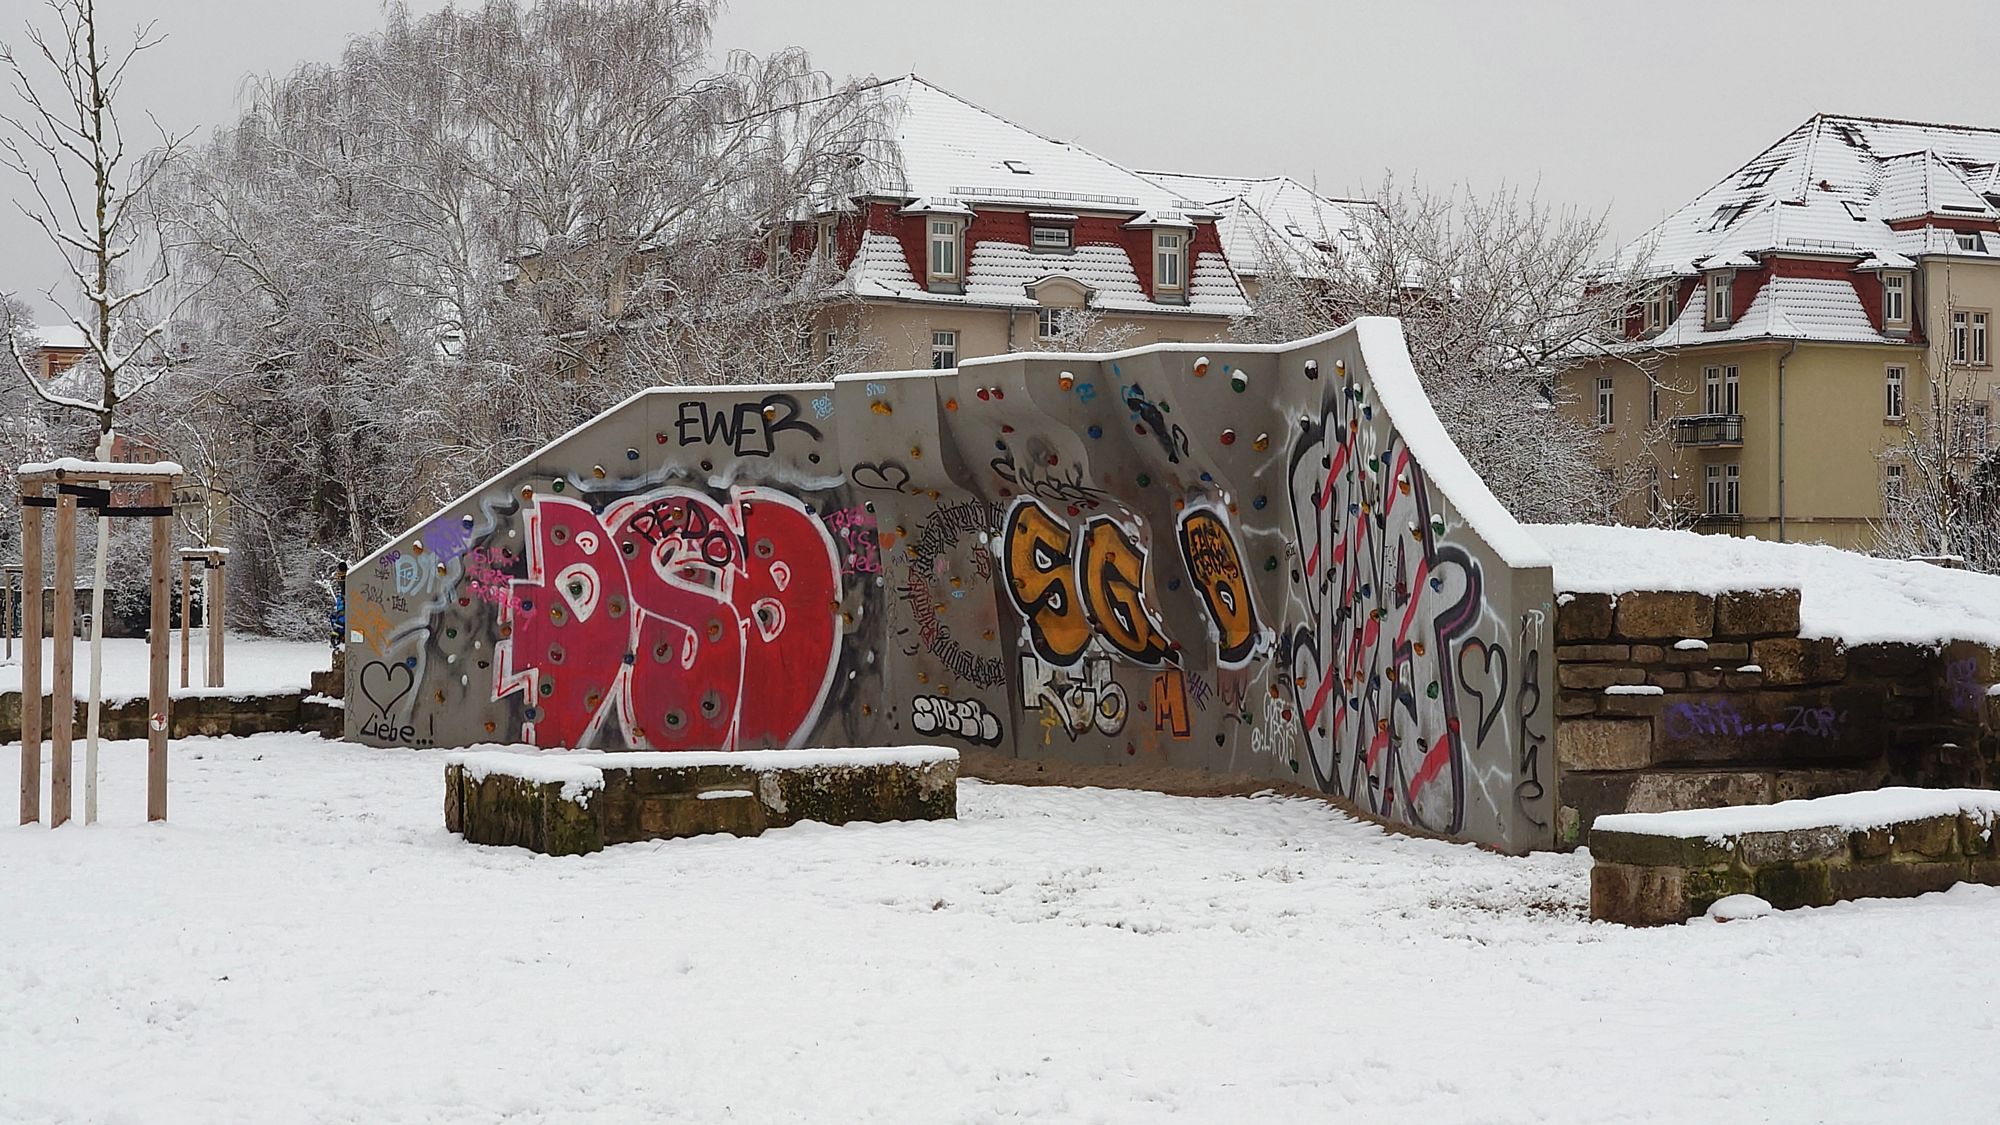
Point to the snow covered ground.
(304, 942)
(251, 664)
(1842, 594)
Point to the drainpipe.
(1781, 437)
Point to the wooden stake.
(62, 694)
(160, 708)
(187, 623)
(31, 654)
(7, 610)
(213, 589)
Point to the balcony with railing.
(1709, 430)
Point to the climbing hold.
(1262, 443)
(1096, 430)
(915, 452)
(1312, 372)
(631, 455)
(1271, 563)
(881, 408)
(1239, 382)
(1201, 366)
(983, 394)
(1066, 380)
(597, 471)
(1258, 503)
(1229, 437)
(659, 439)
(1144, 480)
(951, 404)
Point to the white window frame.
(1895, 298)
(1653, 403)
(1723, 489)
(1607, 401)
(944, 348)
(1960, 321)
(1660, 308)
(1895, 381)
(1169, 261)
(946, 248)
(1043, 236)
(1966, 240)
(1049, 322)
(1722, 389)
(1975, 424)
(1978, 339)
(827, 244)
(1721, 287)
(1892, 484)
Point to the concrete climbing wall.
(1256, 561)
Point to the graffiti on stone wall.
(966, 719)
(664, 613)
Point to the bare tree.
(1498, 296)
(1083, 330)
(475, 230)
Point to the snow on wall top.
(1854, 597)
(1847, 812)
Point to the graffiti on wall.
(661, 613)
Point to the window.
(1895, 302)
(1653, 497)
(1660, 308)
(1049, 323)
(1892, 484)
(1728, 213)
(1974, 435)
(1855, 210)
(832, 341)
(1968, 337)
(1050, 238)
(1724, 487)
(1719, 390)
(944, 350)
(944, 249)
(1756, 176)
(825, 248)
(1653, 408)
(1892, 390)
(1719, 285)
(1605, 401)
(1968, 240)
(1167, 260)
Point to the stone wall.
(1647, 878)
(239, 715)
(1673, 700)
(1255, 562)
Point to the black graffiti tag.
(749, 429)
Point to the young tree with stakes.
(66, 145)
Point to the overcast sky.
(1628, 108)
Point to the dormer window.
(1719, 285)
(1968, 240)
(945, 250)
(1660, 308)
(825, 248)
(778, 247)
(1050, 237)
(1895, 299)
(1168, 261)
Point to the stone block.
(1978, 838)
(1572, 703)
(1792, 885)
(1704, 888)
(1664, 615)
(1894, 880)
(1597, 677)
(1648, 654)
(1789, 661)
(1727, 652)
(1672, 681)
(1604, 744)
(1665, 790)
(1620, 705)
(1931, 837)
(1985, 872)
(1768, 849)
(1638, 896)
(1836, 726)
(1795, 785)
(1648, 850)
(1757, 613)
(1900, 661)
(1701, 680)
(1583, 617)
(1742, 681)
(1868, 843)
(1593, 653)
(735, 811)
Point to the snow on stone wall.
(1257, 561)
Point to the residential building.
(1809, 313)
(991, 238)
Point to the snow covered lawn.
(251, 664)
(304, 942)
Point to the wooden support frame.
(212, 560)
(87, 484)
(10, 618)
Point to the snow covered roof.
(1000, 273)
(1785, 308)
(1275, 214)
(1832, 186)
(950, 147)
